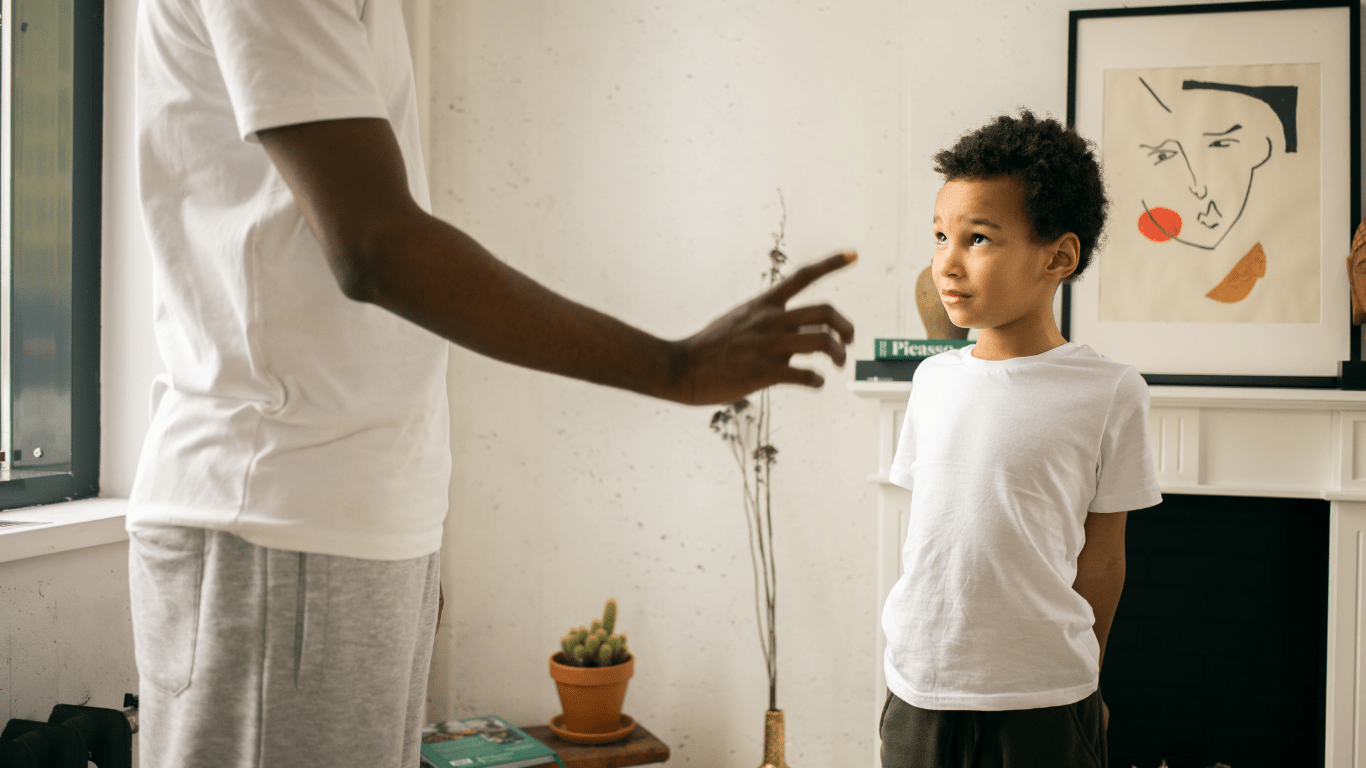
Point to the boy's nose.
(949, 263)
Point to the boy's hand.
(749, 348)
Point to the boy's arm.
(1100, 572)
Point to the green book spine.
(914, 349)
(482, 741)
(885, 370)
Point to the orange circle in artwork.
(1159, 224)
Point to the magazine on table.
(482, 742)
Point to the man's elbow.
(364, 259)
(355, 278)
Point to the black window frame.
(78, 478)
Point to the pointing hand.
(751, 346)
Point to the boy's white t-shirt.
(289, 414)
(1004, 459)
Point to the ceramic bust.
(1356, 273)
(933, 314)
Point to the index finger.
(797, 281)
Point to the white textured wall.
(629, 155)
(67, 632)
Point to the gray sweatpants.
(253, 657)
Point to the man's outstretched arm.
(350, 183)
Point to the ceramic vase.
(774, 740)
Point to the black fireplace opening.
(1218, 652)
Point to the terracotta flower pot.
(591, 696)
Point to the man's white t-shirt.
(289, 414)
(1004, 459)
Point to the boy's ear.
(1065, 253)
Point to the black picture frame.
(1076, 20)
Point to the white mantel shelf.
(1228, 441)
(1229, 397)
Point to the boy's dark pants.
(1069, 736)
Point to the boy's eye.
(1222, 143)
(940, 237)
(980, 240)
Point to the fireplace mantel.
(1288, 443)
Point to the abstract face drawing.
(1210, 140)
(1215, 175)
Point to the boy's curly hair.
(1063, 188)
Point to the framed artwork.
(1230, 139)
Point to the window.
(51, 83)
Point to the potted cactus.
(591, 670)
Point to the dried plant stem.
(751, 442)
(771, 574)
(741, 449)
(749, 437)
(776, 260)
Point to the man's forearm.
(436, 276)
(349, 180)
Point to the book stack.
(482, 742)
(896, 359)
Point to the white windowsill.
(62, 527)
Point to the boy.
(1023, 453)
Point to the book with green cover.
(914, 349)
(886, 370)
(482, 741)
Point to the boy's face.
(989, 266)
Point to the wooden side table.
(640, 748)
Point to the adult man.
(291, 492)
